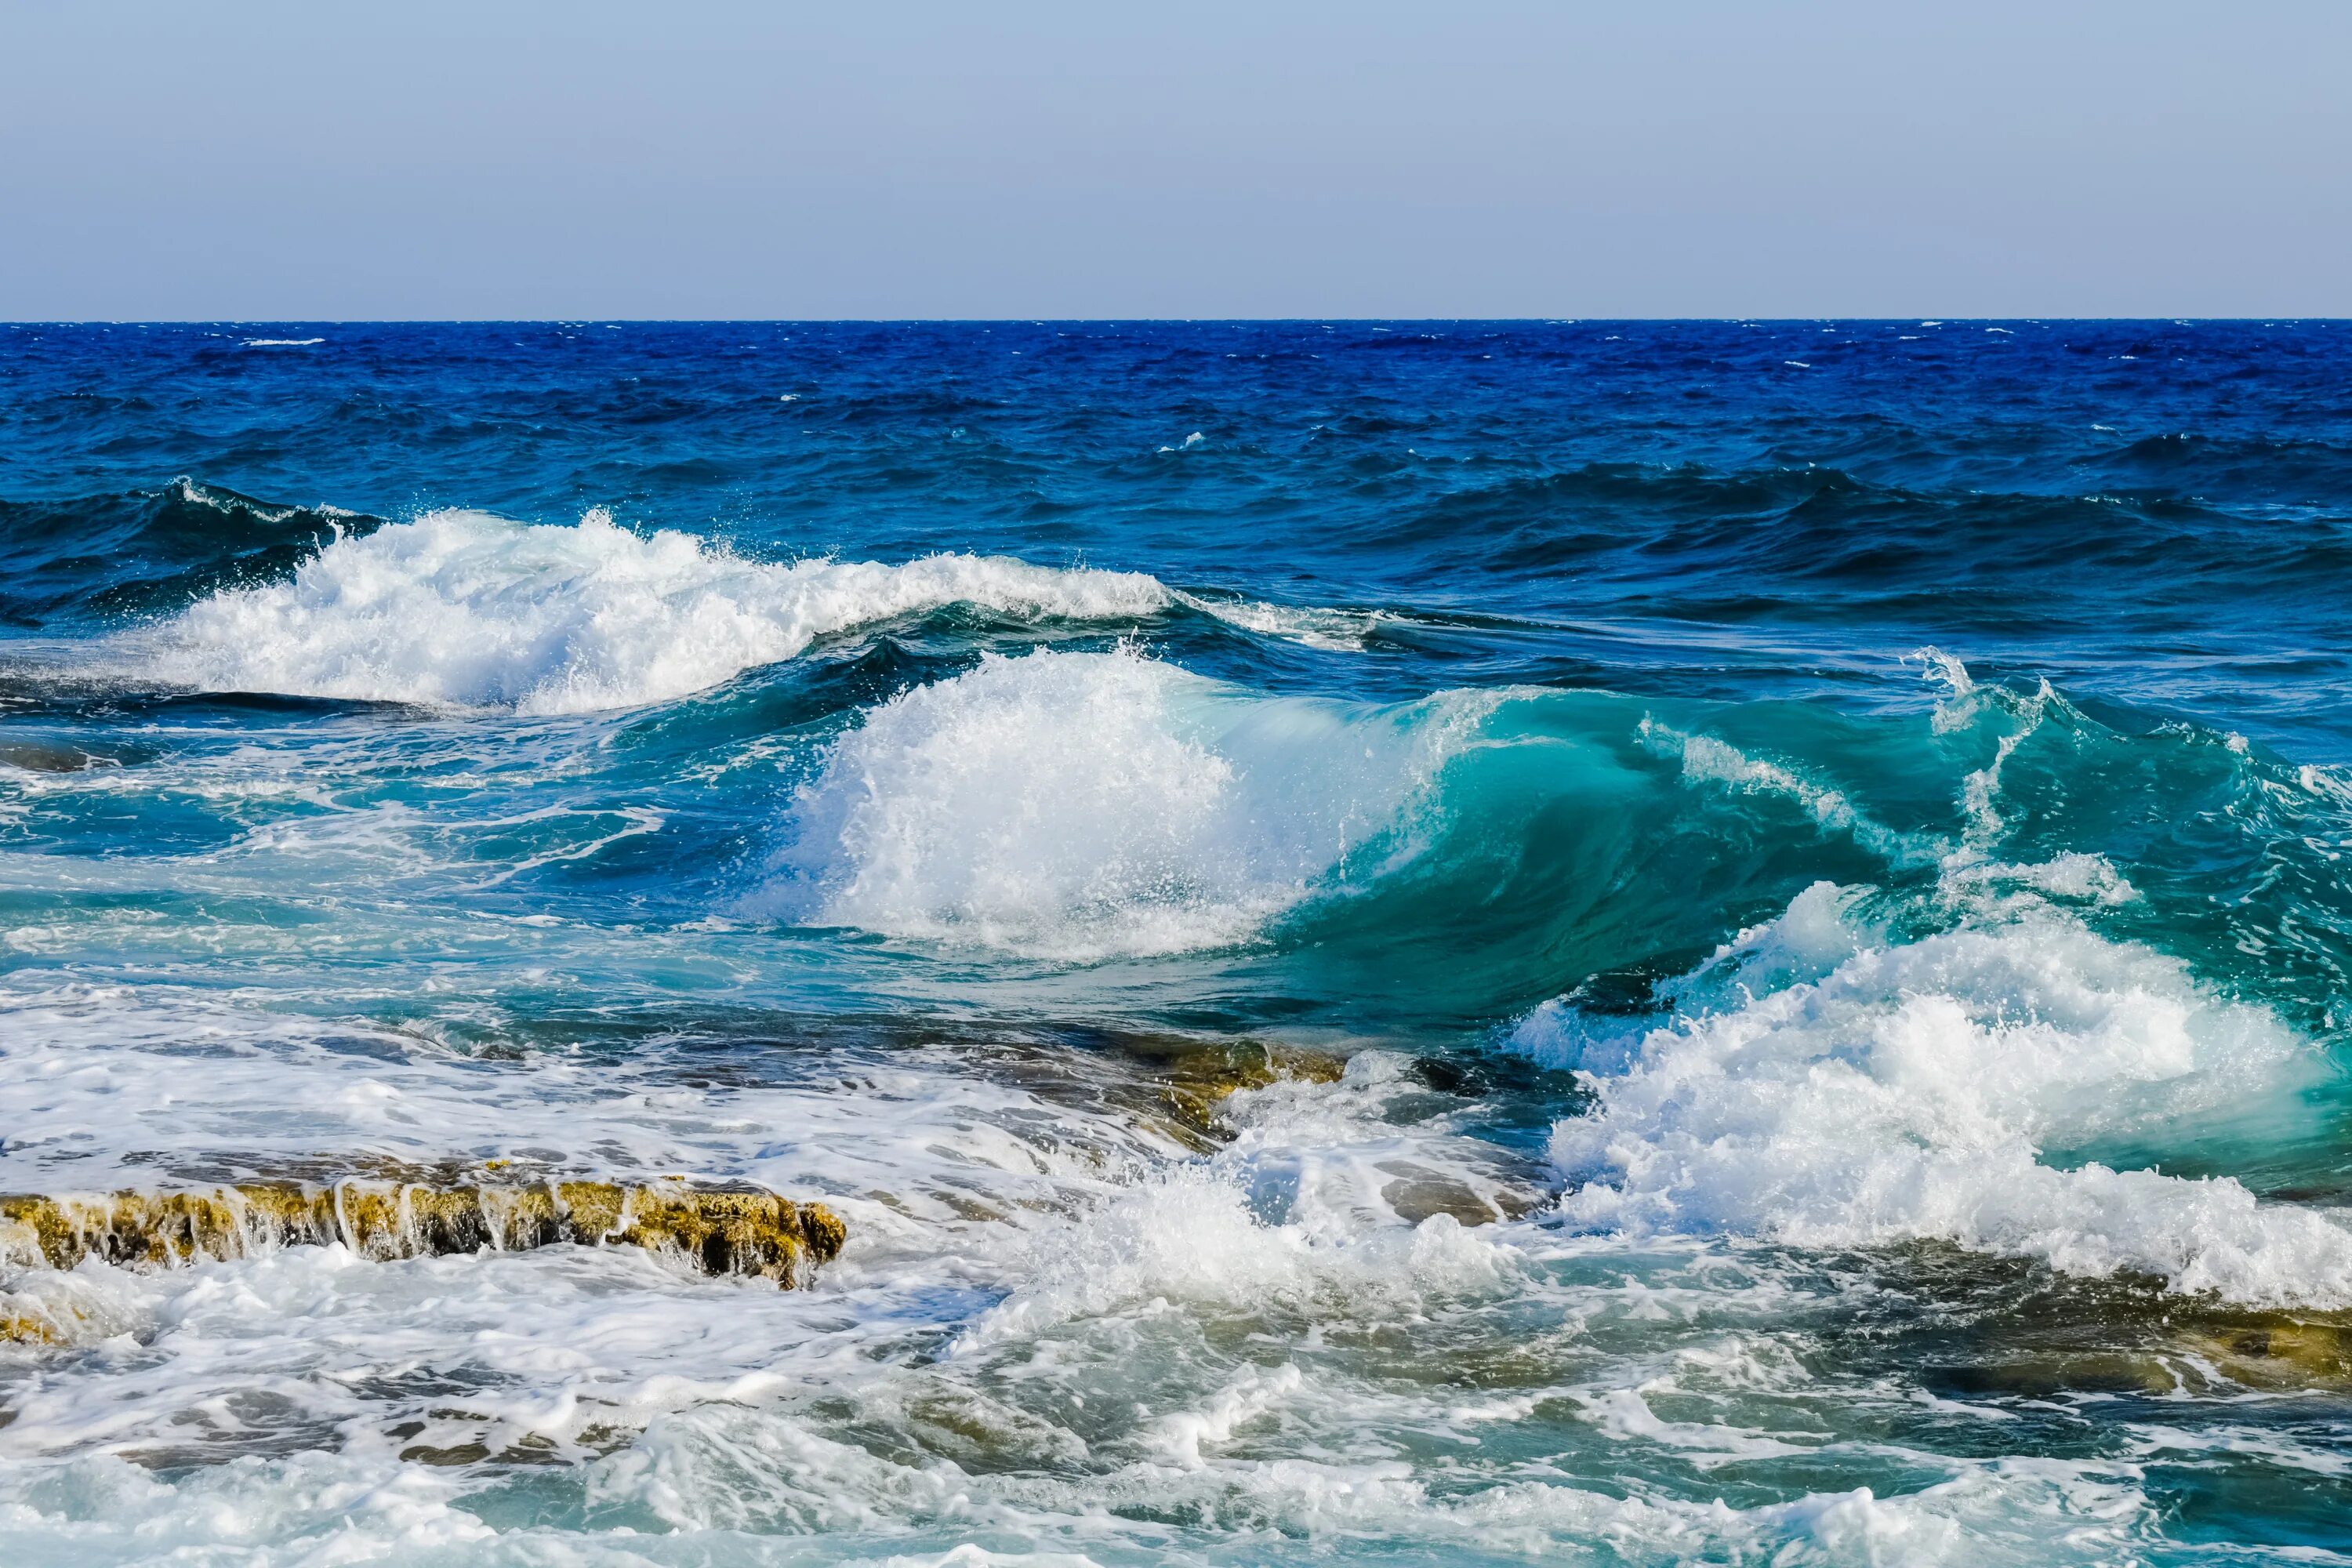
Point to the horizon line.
(1907, 319)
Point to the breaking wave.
(1079, 805)
(1826, 1086)
(463, 609)
(469, 610)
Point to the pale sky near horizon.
(1684, 158)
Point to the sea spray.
(469, 610)
(1079, 805)
(1825, 1089)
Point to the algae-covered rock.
(44, 1310)
(726, 1233)
(159, 1229)
(2011, 1328)
(716, 1230)
(28, 1329)
(2277, 1355)
(2277, 1351)
(1198, 1078)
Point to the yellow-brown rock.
(728, 1231)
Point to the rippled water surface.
(1410, 942)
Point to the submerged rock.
(717, 1231)
(2010, 1328)
(2277, 1351)
(41, 757)
(2277, 1355)
(26, 1327)
(1196, 1077)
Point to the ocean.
(1345, 943)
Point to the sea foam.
(1827, 1087)
(465, 609)
(469, 610)
(1084, 805)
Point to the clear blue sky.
(1649, 157)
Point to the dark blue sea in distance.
(1397, 942)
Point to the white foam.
(194, 494)
(280, 342)
(1081, 806)
(1828, 1088)
(1708, 761)
(1312, 624)
(469, 610)
(802, 1502)
(1242, 1341)
(1292, 1217)
(106, 1087)
(1189, 1236)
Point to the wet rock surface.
(717, 1231)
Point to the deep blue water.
(2148, 511)
(1827, 836)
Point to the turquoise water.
(1792, 873)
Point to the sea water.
(1395, 941)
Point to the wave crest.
(1824, 1088)
(469, 610)
(1079, 806)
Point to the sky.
(285, 161)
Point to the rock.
(40, 757)
(1199, 1079)
(726, 1231)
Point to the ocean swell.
(158, 547)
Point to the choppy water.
(1819, 847)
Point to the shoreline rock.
(740, 1232)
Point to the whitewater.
(1466, 942)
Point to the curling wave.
(469, 610)
(1827, 1087)
(465, 609)
(1076, 805)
